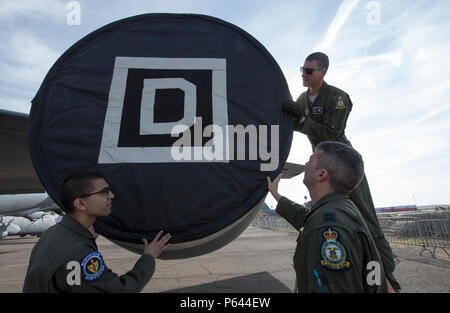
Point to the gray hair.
(320, 57)
(343, 163)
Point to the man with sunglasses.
(66, 258)
(321, 113)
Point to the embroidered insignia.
(333, 252)
(317, 110)
(340, 103)
(92, 266)
(329, 217)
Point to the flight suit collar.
(327, 198)
(330, 197)
(322, 88)
(71, 223)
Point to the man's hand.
(273, 186)
(292, 108)
(157, 245)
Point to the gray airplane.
(34, 224)
(25, 207)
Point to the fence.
(273, 223)
(429, 230)
(426, 230)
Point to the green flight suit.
(335, 247)
(326, 120)
(69, 241)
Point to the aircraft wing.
(292, 169)
(17, 174)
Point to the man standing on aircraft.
(72, 243)
(321, 113)
(335, 249)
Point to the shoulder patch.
(340, 104)
(334, 255)
(92, 266)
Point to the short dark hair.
(320, 57)
(76, 185)
(344, 164)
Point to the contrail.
(341, 16)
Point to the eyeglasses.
(105, 191)
(309, 70)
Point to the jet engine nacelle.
(181, 114)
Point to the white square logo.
(133, 132)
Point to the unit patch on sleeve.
(340, 103)
(334, 255)
(92, 266)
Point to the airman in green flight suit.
(335, 250)
(66, 258)
(321, 113)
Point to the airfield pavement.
(258, 261)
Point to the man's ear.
(324, 72)
(323, 175)
(79, 204)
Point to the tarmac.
(258, 261)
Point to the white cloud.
(33, 9)
(29, 50)
(16, 105)
(26, 60)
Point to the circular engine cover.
(181, 114)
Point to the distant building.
(400, 208)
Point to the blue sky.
(390, 56)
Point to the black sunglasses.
(309, 70)
(105, 191)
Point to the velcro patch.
(317, 110)
(329, 217)
(340, 103)
(334, 255)
(92, 266)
